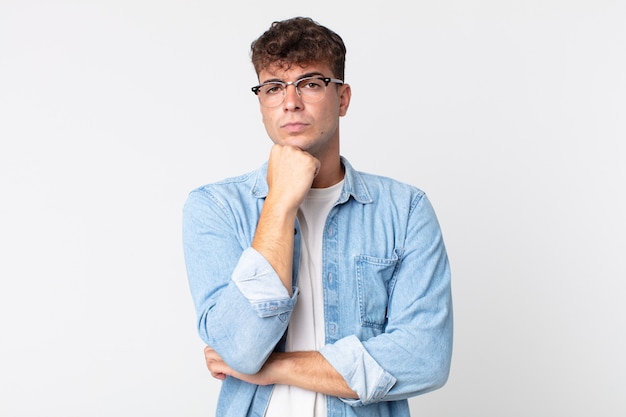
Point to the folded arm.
(307, 370)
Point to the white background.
(509, 114)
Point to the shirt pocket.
(374, 279)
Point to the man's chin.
(296, 142)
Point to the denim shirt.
(386, 289)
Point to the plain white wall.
(509, 114)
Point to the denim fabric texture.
(386, 284)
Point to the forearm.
(274, 239)
(290, 173)
(307, 370)
(310, 371)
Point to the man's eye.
(311, 85)
(273, 89)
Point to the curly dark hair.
(299, 41)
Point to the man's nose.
(292, 98)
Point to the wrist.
(280, 205)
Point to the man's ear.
(345, 93)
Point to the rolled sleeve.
(259, 283)
(359, 369)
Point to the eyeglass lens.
(309, 89)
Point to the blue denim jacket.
(386, 281)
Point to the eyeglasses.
(309, 89)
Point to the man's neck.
(331, 172)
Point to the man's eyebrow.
(311, 74)
(308, 74)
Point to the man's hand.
(290, 174)
(220, 370)
(215, 364)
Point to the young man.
(320, 290)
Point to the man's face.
(312, 127)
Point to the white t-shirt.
(306, 328)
